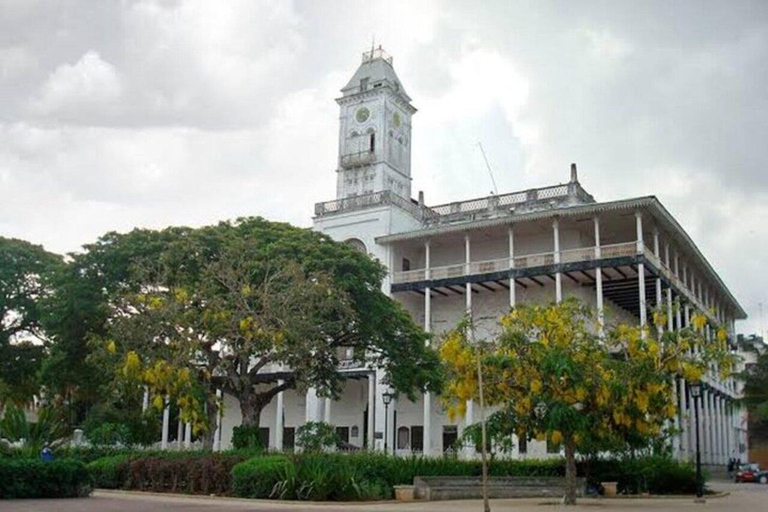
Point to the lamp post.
(387, 398)
(695, 388)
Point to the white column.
(639, 229)
(512, 298)
(469, 417)
(166, 425)
(670, 325)
(599, 281)
(658, 279)
(427, 328)
(279, 425)
(145, 400)
(685, 420)
(710, 431)
(704, 422)
(327, 411)
(188, 435)
(217, 432)
(371, 409)
(310, 405)
(641, 286)
(558, 277)
(179, 431)
(723, 432)
(678, 314)
(641, 271)
(676, 421)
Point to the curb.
(213, 497)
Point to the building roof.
(377, 68)
(502, 216)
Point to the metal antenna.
(495, 189)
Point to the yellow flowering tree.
(550, 376)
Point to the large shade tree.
(25, 280)
(226, 305)
(552, 377)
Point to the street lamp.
(387, 398)
(695, 388)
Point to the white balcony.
(523, 261)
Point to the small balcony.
(359, 159)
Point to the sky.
(123, 114)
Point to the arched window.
(403, 438)
(357, 244)
(353, 134)
(373, 143)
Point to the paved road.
(743, 497)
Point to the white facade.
(484, 255)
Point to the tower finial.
(574, 175)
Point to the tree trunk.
(212, 413)
(570, 471)
(251, 406)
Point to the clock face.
(362, 115)
(396, 119)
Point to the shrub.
(653, 474)
(316, 436)
(245, 437)
(206, 474)
(29, 478)
(110, 472)
(257, 477)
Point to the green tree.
(755, 379)
(80, 308)
(228, 302)
(25, 271)
(554, 379)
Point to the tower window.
(373, 143)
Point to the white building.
(485, 255)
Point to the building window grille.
(403, 438)
(417, 438)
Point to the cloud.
(142, 112)
(89, 83)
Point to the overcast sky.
(116, 114)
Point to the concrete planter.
(404, 493)
(609, 488)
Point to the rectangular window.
(417, 438)
(522, 445)
(406, 264)
(289, 438)
(373, 143)
(450, 438)
(264, 437)
(343, 434)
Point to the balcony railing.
(357, 159)
(524, 261)
(385, 197)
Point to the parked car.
(751, 472)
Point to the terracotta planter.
(609, 488)
(404, 493)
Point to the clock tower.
(374, 131)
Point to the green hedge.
(654, 474)
(356, 476)
(110, 472)
(208, 474)
(34, 478)
(257, 477)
